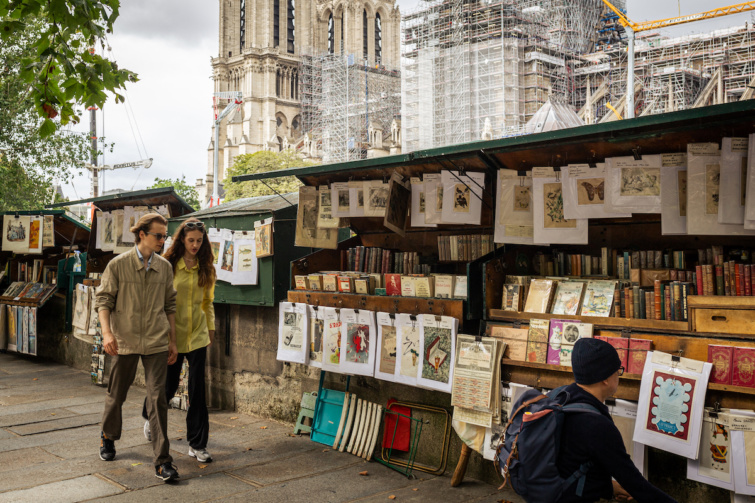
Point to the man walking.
(594, 438)
(136, 304)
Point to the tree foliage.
(63, 69)
(259, 162)
(183, 189)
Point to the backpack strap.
(580, 475)
(580, 407)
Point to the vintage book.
(302, 283)
(345, 284)
(444, 286)
(407, 286)
(598, 298)
(568, 297)
(315, 281)
(743, 372)
(638, 352)
(570, 332)
(512, 298)
(424, 286)
(393, 284)
(460, 287)
(622, 347)
(555, 336)
(539, 296)
(363, 286)
(722, 359)
(537, 341)
(515, 339)
(329, 282)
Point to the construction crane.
(631, 27)
(144, 163)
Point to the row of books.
(725, 278)
(442, 286)
(37, 292)
(373, 260)
(37, 272)
(732, 365)
(664, 301)
(464, 248)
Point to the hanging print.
(292, 333)
(357, 342)
(438, 350)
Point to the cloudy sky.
(169, 43)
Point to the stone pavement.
(49, 441)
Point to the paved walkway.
(49, 441)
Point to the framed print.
(633, 186)
(292, 333)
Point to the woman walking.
(194, 280)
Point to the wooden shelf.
(720, 302)
(559, 368)
(680, 327)
(392, 304)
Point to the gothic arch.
(296, 127)
(281, 124)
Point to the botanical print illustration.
(682, 180)
(409, 350)
(292, 334)
(461, 198)
(387, 363)
(316, 328)
(522, 198)
(332, 349)
(357, 343)
(227, 262)
(712, 179)
(553, 213)
(34, 228)
(246, 258)
(670, 405)
(590, 191)
(436, 363)
(15, 231)
(640, 182)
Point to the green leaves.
(258, 162)
(183, 189)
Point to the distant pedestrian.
(136, 303)
(593, 439)
(191, 257)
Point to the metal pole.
(215, 192)
(93, 153)
(629, 108)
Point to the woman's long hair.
(204, 255)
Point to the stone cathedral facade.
(261, 43)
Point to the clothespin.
(637, 153)
(557, 170)
(716, 409)
(593, 162)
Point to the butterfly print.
(591, 189)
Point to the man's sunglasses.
(159, 236)
(194, 225)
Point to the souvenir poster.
(81, 307)
(408, 330)
(674, 194)
(742, 423)
(316, 333)
(214, 236)
(48, 231)
(307, 233)
(703, 184)
(376, 194)
(438, 344)
(624, 415)
(633, 186)
(16, 233)
(748, 187)
(567, 298)
(263, 238)
(357, 342)
(120, 245)
(11, 320)
(714, 464)
(325, 218)
(397, 208)
(331, 350)
(570, 332)
(514, 208)
(35, 234)
(584, 192)
(341, 200)
(32, 330)
(419, 203)
(550, 225)
(433, 199)
(462, 197)
(356, 199)
(670, 407)
(227, 249)
(731, 209)
(292, 333)
(108, 236)
(385, 359)
(245, 263)
(598, 298)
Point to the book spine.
(719, 279)
(623, 294)
(636, 302)
(738, 279)
(668, 303)
(657, 298)
(685, 294)
(677, 302)
(627, 265)
(748, 279)
(727, 278)
(699, 278)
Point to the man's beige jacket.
(139, 302)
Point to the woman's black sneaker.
(166, 472)
(107, 448)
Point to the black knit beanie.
(593, 360)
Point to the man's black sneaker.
(166, 472)
(107, 448)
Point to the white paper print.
(409, 358)
(16, 233)
(120, 245)
(245, 262)
(375, 198)
(433, 198)
(227, 251)
(292, 333)
(357, 191)
(108, 234)
(316, 335)
(462, 197)
(438, 347)
(48, 231)
(357, 342)
(550, 225)
(731, 207)
(633, 185)
(419, 204)
(514, 208)
(750, 184)
(674, 200)
(743, 456)
(714, 463)
(214, 236)
(340, 199)
(331, 351)
(130, 217)
(386, 357)
(584, 192)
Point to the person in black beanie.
(594, 437)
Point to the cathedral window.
(290, 26)
(277, 83)
(342, 48)
(364, 34)
(378, 39)
(242, 24)
(331, 34)
(276, 22)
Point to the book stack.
(36, 292)
(464, 248)
(732, 365)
